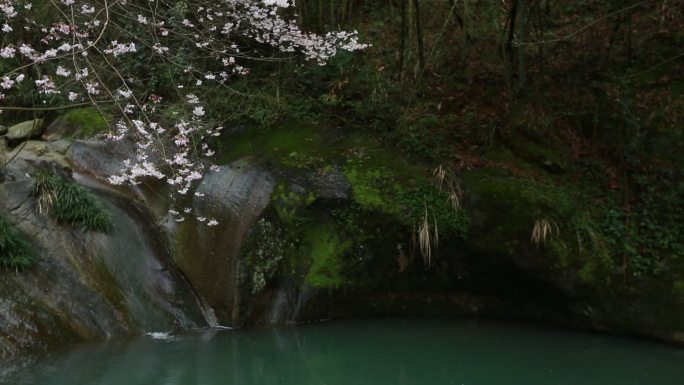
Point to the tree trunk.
(321, 26)
(524, 19)
(402, 44)
(419, 37)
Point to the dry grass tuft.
(543, 230)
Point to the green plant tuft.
(380, 190)
(67, 202)
(15, 252)
(288, 203)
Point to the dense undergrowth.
(559, 118)
(574, 138)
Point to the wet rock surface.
(235, 196)
(85, 285)
(155, 272)
(100, 158)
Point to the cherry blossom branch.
(83, 55)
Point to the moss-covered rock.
(326, 251)
(537, 224)
(344, 211)
(316, 224)
(409, 201)
(81, 123)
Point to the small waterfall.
(280, 307)
(137, 259)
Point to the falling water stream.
(373, 352)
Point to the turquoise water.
(373, 352)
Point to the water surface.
(373, 352)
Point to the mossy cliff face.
(317, 224)
(521, 219)
(338, 237)
(303, 219)
(560, 227)
(522, 243)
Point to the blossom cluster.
(82, 53)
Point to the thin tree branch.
(570, 35)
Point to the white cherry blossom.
(85, 51)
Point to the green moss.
(306, 161)
(293, 144)
(67, 202)
(523, 199)
(678, 289)
(277, 143)
(366, 152)
(309, 252)
(593, 249)
(407, 201)
(545, 156)
(288, 203)
(427, 200)
(87, 122)
(326, 252)
(375, 189)
(15, 252)
(382, 182)
(509, 208)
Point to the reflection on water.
(371, 352)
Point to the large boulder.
(236, 197)
(34, 152)
(99, 158)
(25, 130)
(86, 285)
(78, 123)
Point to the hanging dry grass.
(45, 195)
(427, 229)
(543, 230)
(428, 237)
(446, 181)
